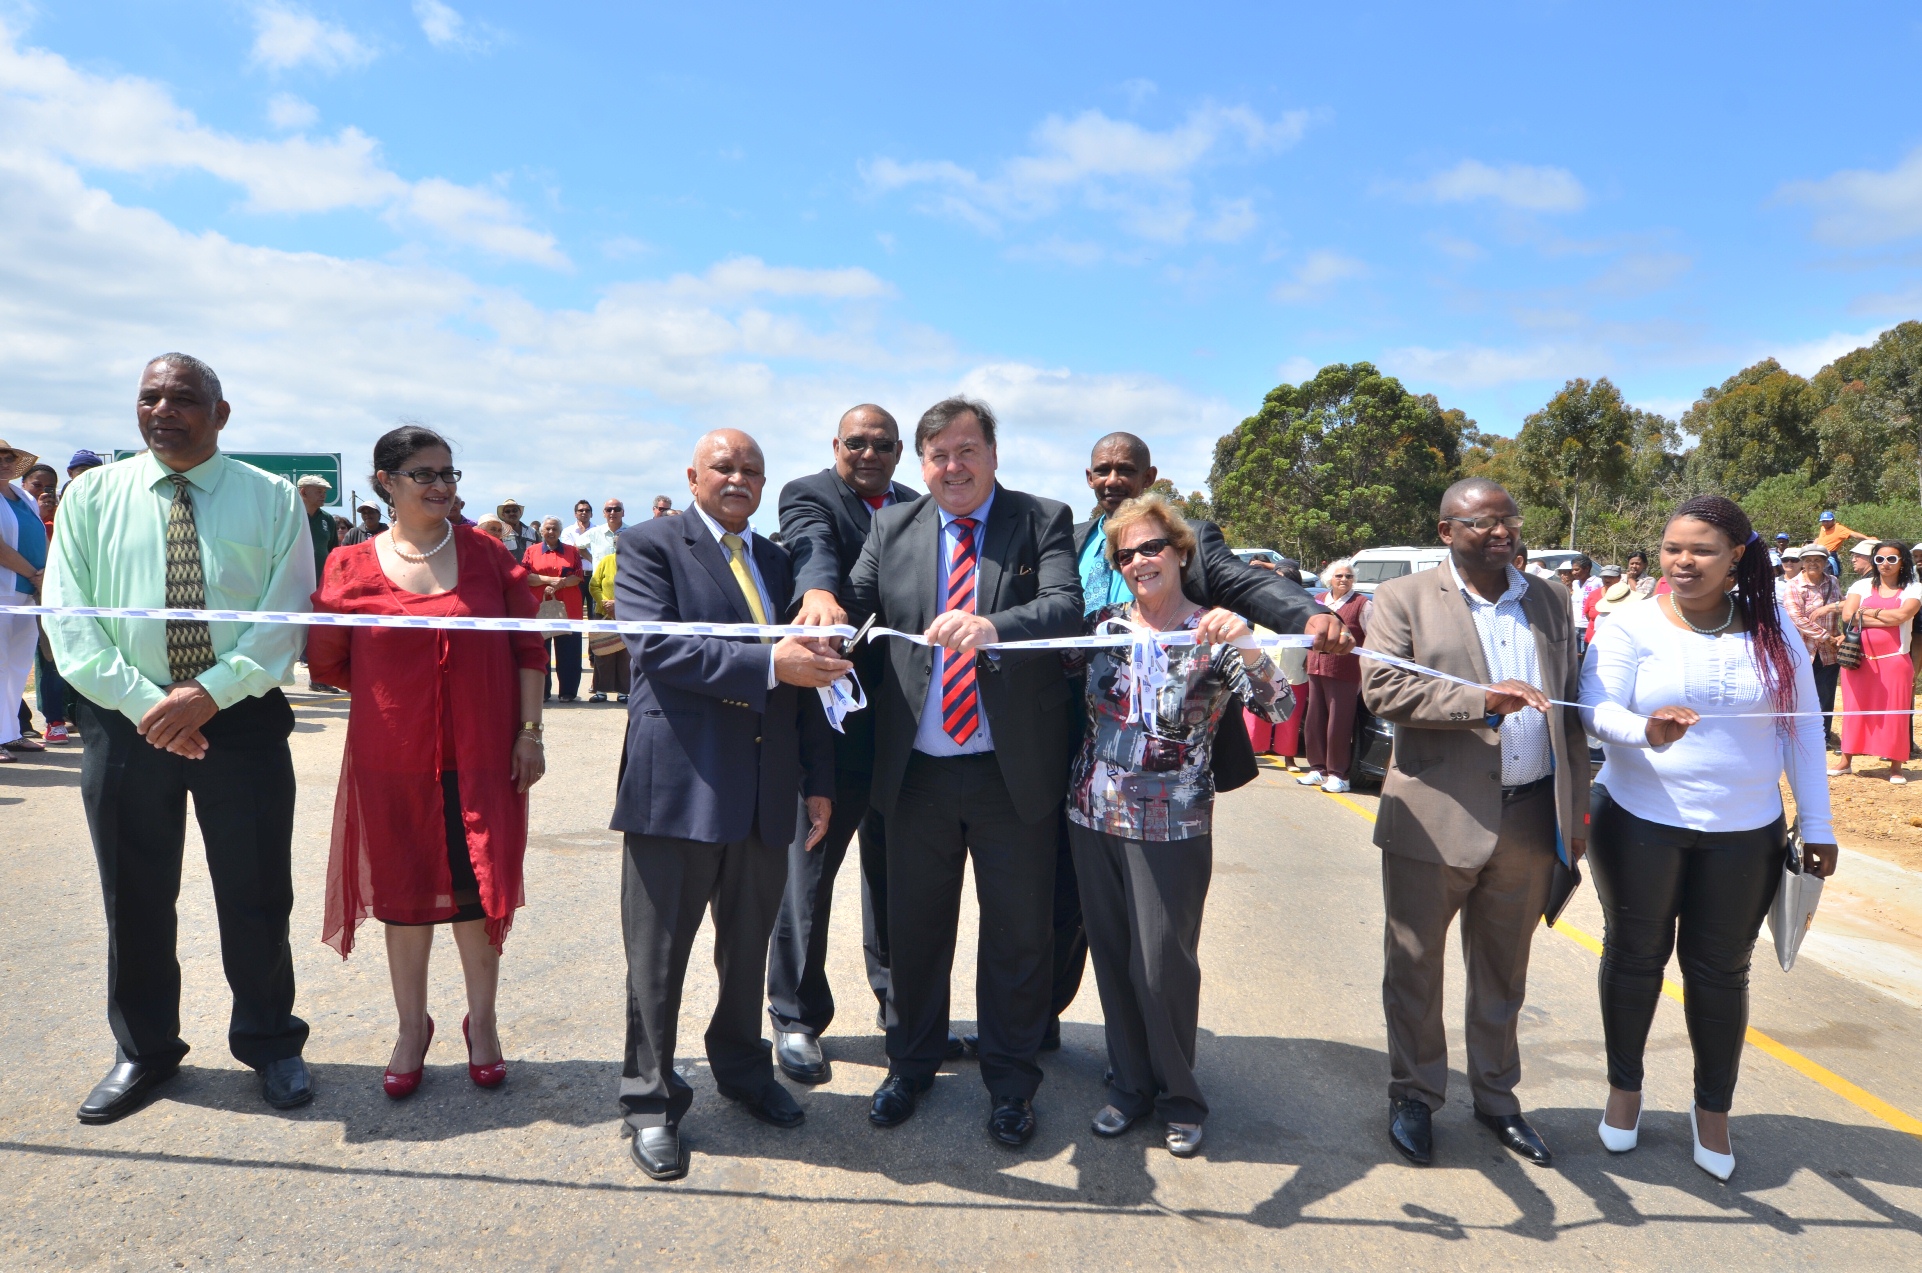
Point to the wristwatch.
(1493, 720)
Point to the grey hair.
(209, 382)
(946, 412)
(1339, 563)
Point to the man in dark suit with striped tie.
(971, 754)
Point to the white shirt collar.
(717, 530)
(1517, 585)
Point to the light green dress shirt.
(256, 552)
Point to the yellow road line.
(1861, 1099)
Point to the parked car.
(1551, 559)
(1378, 565)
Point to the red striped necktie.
(960, 697)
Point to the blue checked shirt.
(1508, 645)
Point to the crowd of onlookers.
(1859, 634)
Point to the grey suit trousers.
(666, 884)
(1501, 905)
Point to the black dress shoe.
(657, 1151)
(1051, 1037)
(286, 1084)
(124, 1090)
(1410, 1127)
(1513, 1131)
(799, 1056)
(772, 1104)
(958, 1047)
(894, 1099)
(1012, 1122)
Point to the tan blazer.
(1442, 800)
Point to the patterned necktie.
(190, 647)
(960, 697)
(737, 562)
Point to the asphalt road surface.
(1297, 1168)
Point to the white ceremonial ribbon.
(855, 700)
(839, 701)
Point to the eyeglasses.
(427, 477)
(1146, 548)
(1512, 524)
(1880, 560)
(881, 446)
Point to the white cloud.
(285, 111)
(1317, 275)
(1233, 220)
(1296, 369)
(1859, 208)
(1809, 357)
(1483, 367)
(1519, 186)
(132, 125)
(286, 36)
(444, 27)
(1140, 176)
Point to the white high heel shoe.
(1720, 1166)
(1617, 1141)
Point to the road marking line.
(1856, 1096)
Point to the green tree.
(1343, 461)
(1758, 423)
(1895, 377)
(1580, 443)
(1193, 505)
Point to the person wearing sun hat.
(23, 556)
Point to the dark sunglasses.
(881, 446)
(1880, 560)
(1146, 548)
(427, 477)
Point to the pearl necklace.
(1717, 630)
(393, 542)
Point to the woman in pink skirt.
(1886, 680)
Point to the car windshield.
(1377, 571)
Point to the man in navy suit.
(825, 519)
(724, 735)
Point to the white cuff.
(771, 679)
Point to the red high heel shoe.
(483, 1075)
(400, 1086)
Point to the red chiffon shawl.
(389, 856)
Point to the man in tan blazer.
(1484, 779)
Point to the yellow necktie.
(737, 562)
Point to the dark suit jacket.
(823, 526)
(1214, 576)
(1028, 587)
(711, 751)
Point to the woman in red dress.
(430, 821)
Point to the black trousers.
(1715, 888)
(951, 807)
(135, 796)
(799, 999)
(1143, 904)
(1070, 930)
(564, 657)
(665, 886)
(1827, 675)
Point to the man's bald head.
(867, 446)
(1471, 490)
(727, 476)
(1119, 470)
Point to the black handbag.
(1848, 652)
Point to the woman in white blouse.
(1688, 830)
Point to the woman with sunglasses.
(1140, 806)
(443, 741)
(1885, 604)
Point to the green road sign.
(291, 465)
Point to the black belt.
(1526, 789)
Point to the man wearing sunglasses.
(825, 518)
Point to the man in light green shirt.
(178, 708)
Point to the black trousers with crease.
(135, 797)
(800, 1000)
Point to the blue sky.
(575, 236)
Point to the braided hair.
(1754, 595)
